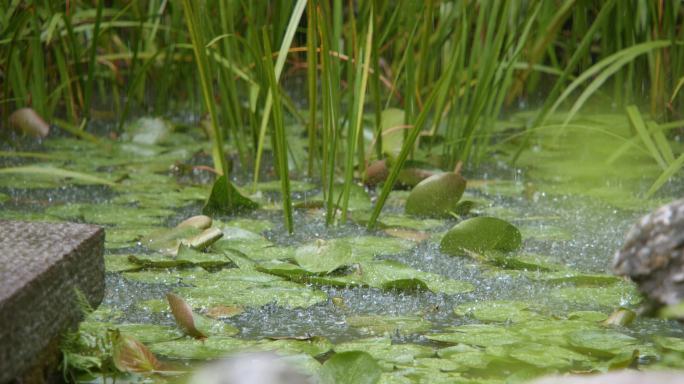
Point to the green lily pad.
(374, 324)
(249, 288)
(522, 262)
(225, 199)
(167, 276)
(497, 311)
(253, 225)
(480, 234)
(436, 196)
(323, 256)
(150, 333)
(314, 346)
(616, 295)
(210, 348)
(119, 263)
(109, 214)
(603, 343)
(393, 275)
(353, 367)
(382, 349)
(483, 335)
(547, 356)
(670, 343)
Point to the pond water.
(503, 319)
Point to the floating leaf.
(496, 311)
(480, 234)
(353, 367)
(389, 325)
(130, 355)
(225, 199)
(183, 315)
(436, 196)
(323, 256)
(605, 343)
(57, 173)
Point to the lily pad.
(323, 256)
(373, 324)
(480, 234)
(483, 335)
(249, 288)
(353, 367)
(436, 196)
(604, 343)
(210, 348)
(497, 311)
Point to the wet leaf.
(353, 367)
(605, 343)
(375, 324)
(497, 311)
(130, 355)
(323, 256)
(225, 199)
(183, 315)
(480, 234)
(211, 348)
(436, 196)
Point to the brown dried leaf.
(130, 355)
(182, 313)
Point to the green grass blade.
(363, 68)
(280, 63)
(671, 169)
(279, 136)
(638, 124)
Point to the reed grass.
(453, 67)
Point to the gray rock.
(620, 377)
(653, 255)
(42, 267)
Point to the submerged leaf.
(481, 234)
(225, 199)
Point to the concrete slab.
(42, 266)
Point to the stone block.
(42, 267)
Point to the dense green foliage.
(452, 68)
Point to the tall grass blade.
(279, 138)
(280, 63)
